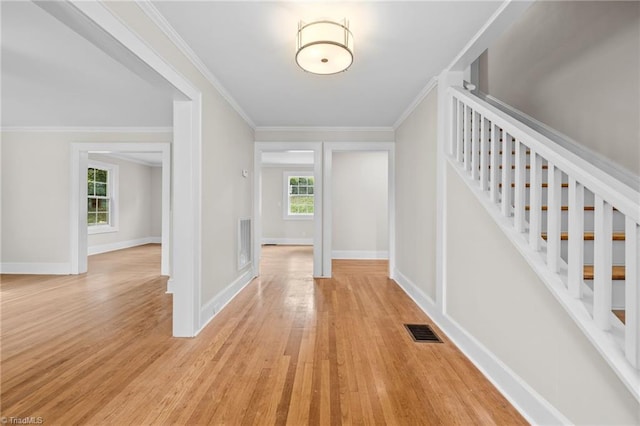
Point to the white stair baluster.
(460, 132)
(602, 263)
(576, 238)
(554, 183)
(506, 174)
(484, 155)
(535, 201)
(495, 163)
(475, 148)
(467, 138)
(519, 187)
(452, 138)
(632, 292)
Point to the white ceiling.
(53, 77)
(399, 46)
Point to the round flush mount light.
(324, 46)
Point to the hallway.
(96, 349)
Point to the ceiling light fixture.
(324, 46)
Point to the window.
(299, 195)
(101, 179)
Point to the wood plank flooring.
(97, 349)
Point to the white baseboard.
(289, 241)
(35, 268)
(105, 248)
(170, 286)
(525, 399)
(216, 304)
(359, 254)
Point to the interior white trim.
(78, 216)
(431, 84)
(322, 129)
(63, 268)
(154, 14)
(316, 147)
(131, 160)
(604, 342)
(288, 241)
(105, 248)
(327, 227)
(359, 254)
(62, 129)
(506, 14)
(216, 304)
(534, 408)
(609, 166)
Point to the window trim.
(112, 185)
(285, 195)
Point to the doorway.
(107, 209)
(291, 171)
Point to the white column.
(445, 80)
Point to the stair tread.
(617, 272)
(563, 208)
(528, 185)
(513, 167)
(588, 236)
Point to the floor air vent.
(422, 333)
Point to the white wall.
(275, 229)
(36, 174)
(574, 66)
(494, 295)
(360, 227)
(136, 193)
(416, 195)
(227, 149)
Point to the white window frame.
(112, 191)
(285, 195)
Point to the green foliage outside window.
(301, 195)
(97, 197)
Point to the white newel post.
(445, 80)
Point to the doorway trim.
(329, 149)
(316, 147)
(96, 22)
(78, 210)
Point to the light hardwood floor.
(97, 349)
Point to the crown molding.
(321, 129)
(431, 84)
(157, 18)
(80, 129)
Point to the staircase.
(576, 224)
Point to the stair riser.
(617, 252)
(617, 293)
(618, 221)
